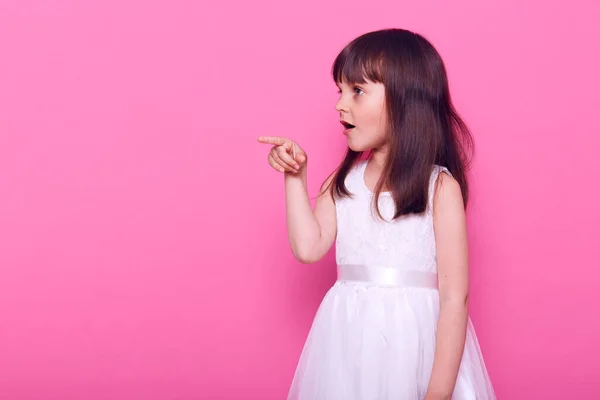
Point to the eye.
(358, 90)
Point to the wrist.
(301, 174)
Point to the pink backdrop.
(143, 251)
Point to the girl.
(395, 324)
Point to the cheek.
(375, 114)
(377, 122)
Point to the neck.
(378, 158)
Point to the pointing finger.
(275, 140)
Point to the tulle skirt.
(370, 342)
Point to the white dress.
(374, 334)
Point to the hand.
(285, 155)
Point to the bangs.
(358, 62)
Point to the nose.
(340, 106)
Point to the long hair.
(423, 127)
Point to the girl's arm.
(311, 233)
(450, 229)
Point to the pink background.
(143, 251)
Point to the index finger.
(278, 141)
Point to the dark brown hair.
(424, 128)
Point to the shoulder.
(447, 193)
(440, 176)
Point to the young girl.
(395, 324)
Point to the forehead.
(357, 65)
(363, 82)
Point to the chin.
(358, 147)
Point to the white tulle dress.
(374, 334)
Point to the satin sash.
(387, 276)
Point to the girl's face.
(362, 112)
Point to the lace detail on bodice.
(362, 238)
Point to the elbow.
(456, 300)
(305, 255)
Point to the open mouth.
(347, 125)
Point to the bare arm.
(311, 233)
(452, 259)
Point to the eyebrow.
(349, 84)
